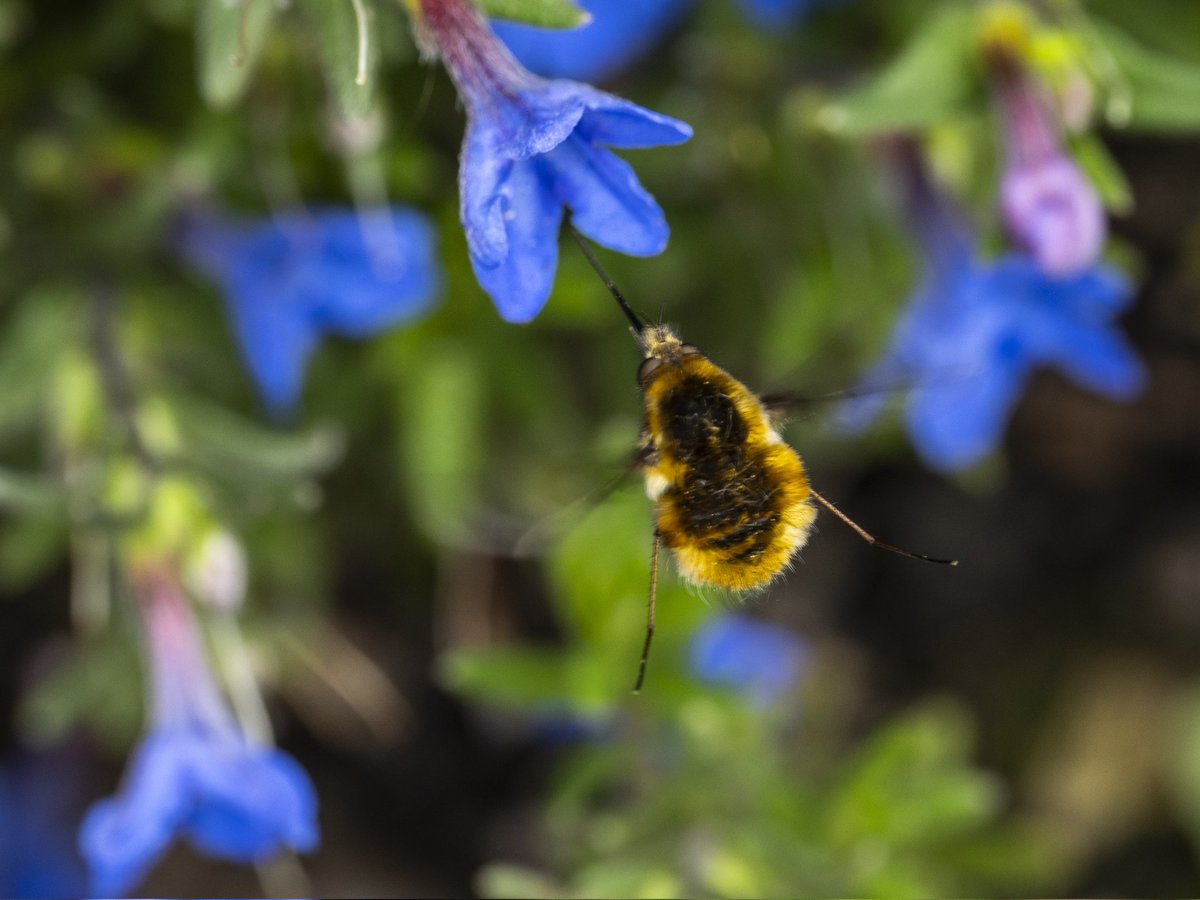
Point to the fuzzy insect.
(731, 498)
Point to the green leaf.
(98, 684)
(540, 680)
(230, 36)
(30, 547)
(237, 448)
(506, 880)
(1164, 92)
(522, 677)
(44, 326)
(601, 569)
(642, 880)
(546, 13)
(348, 52)
(600, 574)
(912, 784)
(927, 83)
(1166, 25)
(20, 492)
(1103, 171)
(1184, 761)
(441, 406)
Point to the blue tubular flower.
(533, 146)
(773, 14)
(975, 332)
(759, 660)
(195, 774)
(619, 33)
(293, 279)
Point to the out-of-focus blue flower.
(195, 775)
(1048, 205)
(229, 799)
(532, 147)
(619, 34)
(773, 14)
(757, 659)
(975, 332)
(38, 812)
(294, 278)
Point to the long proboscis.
(638, 323)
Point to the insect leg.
(871, 539)
(637, 688)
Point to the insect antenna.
(639, 325)
(871, 539)
(641, 676)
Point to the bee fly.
(731, 499)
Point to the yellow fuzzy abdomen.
(732, 500)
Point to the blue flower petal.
(1094, 357)
(957, 424)
(482, 181)
(537, 119)
(612, 122)
(760, 660)
(519, 284)
(1101, 292)
(256, 802)
(276, 340)
(607, 202)
(123, 836)
(379, 261)
(619, 33)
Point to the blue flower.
(38, 810)
(976, 331)
(229, 799)
(195, 775)
(619, 34)
(532, 147)
(759, 660)
(291, 280)
(779, 13)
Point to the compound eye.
(649, 366)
